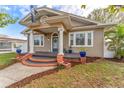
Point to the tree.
(83, 6)
(111, 8)
(115, 8)
(104, 16)
(100, 15)
(115, 38)
(6, 19)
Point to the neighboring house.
(9, 44)
(57, 31)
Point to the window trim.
(8, 48)
(41, 35)
(70, 39)
(86, 38)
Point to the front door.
(55, 45)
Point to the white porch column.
(12, 47)
(61, 30)
(31, 43)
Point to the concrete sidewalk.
(17, 72)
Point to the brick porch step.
(39, 64)
(42, 59)
(45, 54)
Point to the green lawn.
(6, 59)
(102, 73)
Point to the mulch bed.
(92, 59)
(115, 60)
(27, 80)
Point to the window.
(71, 39)
(78, 39)
(39, 40)
(89, 35)
(5, 45)
(36, 40)
(42, 40)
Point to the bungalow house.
(58, 32)
(9, 44)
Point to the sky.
(20, 11)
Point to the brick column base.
(83, 60)
(60, 58)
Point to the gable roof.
(58, 12)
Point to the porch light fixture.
(47, 36)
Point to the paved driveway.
(17, 72)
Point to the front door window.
(55, 44)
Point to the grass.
(6, 59)
(102, 73)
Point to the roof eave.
(38, 9)
(25, 31)
(102, 26)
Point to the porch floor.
(50, 54)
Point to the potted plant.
(82, 52)
(18, 49)
(70, 50)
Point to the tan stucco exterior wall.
(96, 51)
(98, 44)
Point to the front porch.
(47, 40)
(68, 57)
(45, 59)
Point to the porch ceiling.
(64, 20)
(47, 30)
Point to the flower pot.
(18, 51)
(70, 51)
(82, 54)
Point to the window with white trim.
(5, 45)
(39, 40)
(81, 39)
